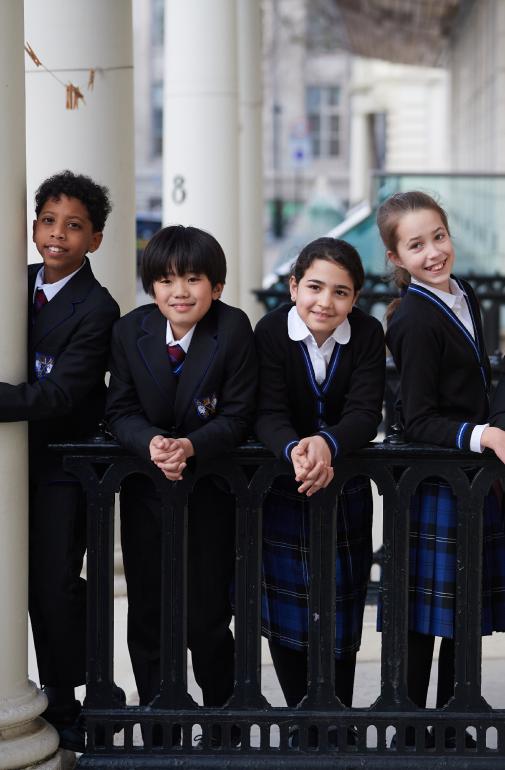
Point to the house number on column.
(179, 190)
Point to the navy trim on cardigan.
(455, 320)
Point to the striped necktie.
(176, 355)
(39, 301)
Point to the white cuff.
(475, 438)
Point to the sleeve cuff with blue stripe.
(331, 441)
(464, 436)
(288, 449)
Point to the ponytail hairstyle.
(389, 214)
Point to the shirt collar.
(453, 299)
(298, 330)
(184, 342)
(52, 289)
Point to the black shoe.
(410, 739)
(118, 701)
(216, 737)
(312, 743)
(66, 720)
(73, 738)
(450, 739)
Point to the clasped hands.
(311, 459)
(170, 455)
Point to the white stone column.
(97, 138)
(250, 155)
(200, 134)
(25, 738)
(359, 166)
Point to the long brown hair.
(389, 214)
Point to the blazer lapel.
(153, 350)
(62, 306)
(201, 352)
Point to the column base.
(27, 740)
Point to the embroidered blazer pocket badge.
(43, 365)
(206, 407)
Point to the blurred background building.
(360, 97)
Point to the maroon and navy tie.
(39, 301)
(176, 355)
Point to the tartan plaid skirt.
(432, 561)
(286, 552)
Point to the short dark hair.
(181, 250)
(93, 196)
(331, 250)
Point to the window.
(323, 118)
(157, 16)
(157, 118)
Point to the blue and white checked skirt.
(432, 561)
(286, 552)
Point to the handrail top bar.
(102, 445)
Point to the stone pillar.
(200, 134)
(25, 738)
(96, 139)
(250, 156)
(359, 165)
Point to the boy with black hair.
(183, 384)
(70, 318)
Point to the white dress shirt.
(184, 342)
(319, 356)
(52, 289)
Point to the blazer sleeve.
(237, 396)
(417, 349)
(123, 411)
(362, 411)
(497, 416)
(273, 422)
(78, 369)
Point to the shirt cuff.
(476, 437)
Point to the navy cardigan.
(444, 372)
(345, 409)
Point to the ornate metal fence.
(377, 293)
(255, 734)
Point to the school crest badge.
(43, 365)
(206, 407)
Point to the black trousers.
(420, 657)
(57, 593)
(211, 548)
(291, 669)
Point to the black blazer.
(211, 402)
(68, 345)
(444, 373)
(497, 416)
(345, 409)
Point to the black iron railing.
(378, 292)
(254, 734)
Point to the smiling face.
(424, 248)
(184, 299)
(63, 234)
(324, 297)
